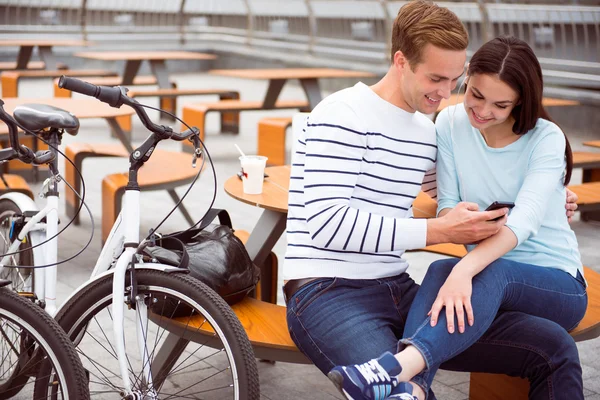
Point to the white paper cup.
(253, 171)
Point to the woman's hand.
(455, 295)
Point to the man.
(360, 161)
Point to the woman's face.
(489, 101)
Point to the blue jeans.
(349, 321)
(505, 285)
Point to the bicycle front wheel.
(194, 345)
(31, 341)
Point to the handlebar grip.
(110, 95)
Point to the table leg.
(131, 69)
(312, 90)
(165, 359)
(120, 134)
(273, 91)
(265, 234)
(159, 69)
(24, 56)
(48, 57)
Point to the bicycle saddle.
(40, 116)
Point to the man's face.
(426, 83)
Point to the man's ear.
(400, 62)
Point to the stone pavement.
(279, 381)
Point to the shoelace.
(372, 371)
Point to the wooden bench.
(271, 139)
(10, 79)
(195, 114)
(14, 183)
(166, 170)
(31, 65)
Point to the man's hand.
(571, 205)
(465, 224)
(455, 295)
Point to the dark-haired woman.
(500, 145)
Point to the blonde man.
(362, 158)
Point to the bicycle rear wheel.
(196, 345)
(31, 341)
(21, 278)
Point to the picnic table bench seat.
(31, 65)
(14, 183)
(195, 114)
(10, 79)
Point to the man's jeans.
(349, 321)
(504, 285)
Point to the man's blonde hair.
(421, 22)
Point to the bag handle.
(172, 243)
(224, 219)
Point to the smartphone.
(499, 204)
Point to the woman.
(500, 145)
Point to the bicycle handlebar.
(116, 96)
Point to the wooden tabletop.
(594, 143)
(81, 108)
(275, 193)
(145, 55)
(35, 42)
(292, 73)
(546, 101)
(275, 190)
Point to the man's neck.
(389, 88)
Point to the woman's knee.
(440, 269)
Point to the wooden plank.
(145, 55)
(292, 73)
(176, 92)
(243, 105)
(586, 159)
(588, 193)
(43, 42)
(275, 190)
(56, 73)
(593, 143)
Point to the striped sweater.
(358, 165)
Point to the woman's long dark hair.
(516, 65)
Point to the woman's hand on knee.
(455, 296)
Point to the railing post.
(387, 23)
(250, 28)
(312, 26)
(486, 27)
(181, 17)
(83, 20)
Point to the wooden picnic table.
(44, 48)
(82, 108)
(546, 101)
(157, 60)
(593, 143)
(308, 77)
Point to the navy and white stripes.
(358, 167)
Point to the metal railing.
(565, 37)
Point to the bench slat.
(244, 105)
(586, 159)
(589, 195)
(174, 92)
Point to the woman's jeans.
(506, 285)
(350, 321)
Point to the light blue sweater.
(528, 172)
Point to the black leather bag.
(213, 255)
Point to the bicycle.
(31, 341)
(184, 330)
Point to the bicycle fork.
(131, 225)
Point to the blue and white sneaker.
(403, 392)
(373, 380)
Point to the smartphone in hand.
(498, 205)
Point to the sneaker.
(403, 392)
(373, 380)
